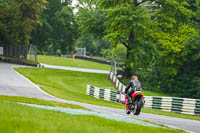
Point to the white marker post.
(1, 50)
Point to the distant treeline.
(158, 40)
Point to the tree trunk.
(127, 70)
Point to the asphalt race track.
(14, 84)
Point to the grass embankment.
(52, 60)
(39, 102)
(171, 114)
(23, 119)
(71, 85)
(83, 64)
(150, 93)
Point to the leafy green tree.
(117, 22)
(18, 19)
(90, 21)
(65, 28)
(176, 68)
(161, 39)
(57, 33)
(188, 79)
(93, 45)
(118, 53)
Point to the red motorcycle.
(135, 103)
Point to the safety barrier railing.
(174, 104)
(100, 93)
(170, 104)
(117, 83)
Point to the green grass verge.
(71, 62)
(71, 85)
(172, 114)
(38, 101)
(84, 64)
(15, 118)
(150, 93)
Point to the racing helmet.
(134, 77)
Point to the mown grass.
(150, 93)
(70, 85)
(71, 62)
(38, 101)
(172, 114)
(83, 64)
(15, 118)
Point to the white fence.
(170, 104)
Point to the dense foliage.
(91, 26)
(161, 38)
(57, 32)
(158, 40)
(18, 18)
(176, 70)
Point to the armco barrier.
(117, 83)
(100, 93)
(173, 104)
(170, 104)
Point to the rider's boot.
(128, 111)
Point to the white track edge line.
(32, 83)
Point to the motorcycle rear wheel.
(138, 106)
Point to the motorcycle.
(135, 103)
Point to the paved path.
(75, 69)
(13, 84)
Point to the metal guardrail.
(170, 104)
(100, 93)
(116, 82)
(174, 104)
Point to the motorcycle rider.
(133, 86)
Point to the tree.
(90, 21)
(131, 24)
(93, 46)
(116, 22)
(57, 33)
(18, 19)
(161, 38)
(127, 23)
(176, 68)
(65, 28)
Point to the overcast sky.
(74, 2)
